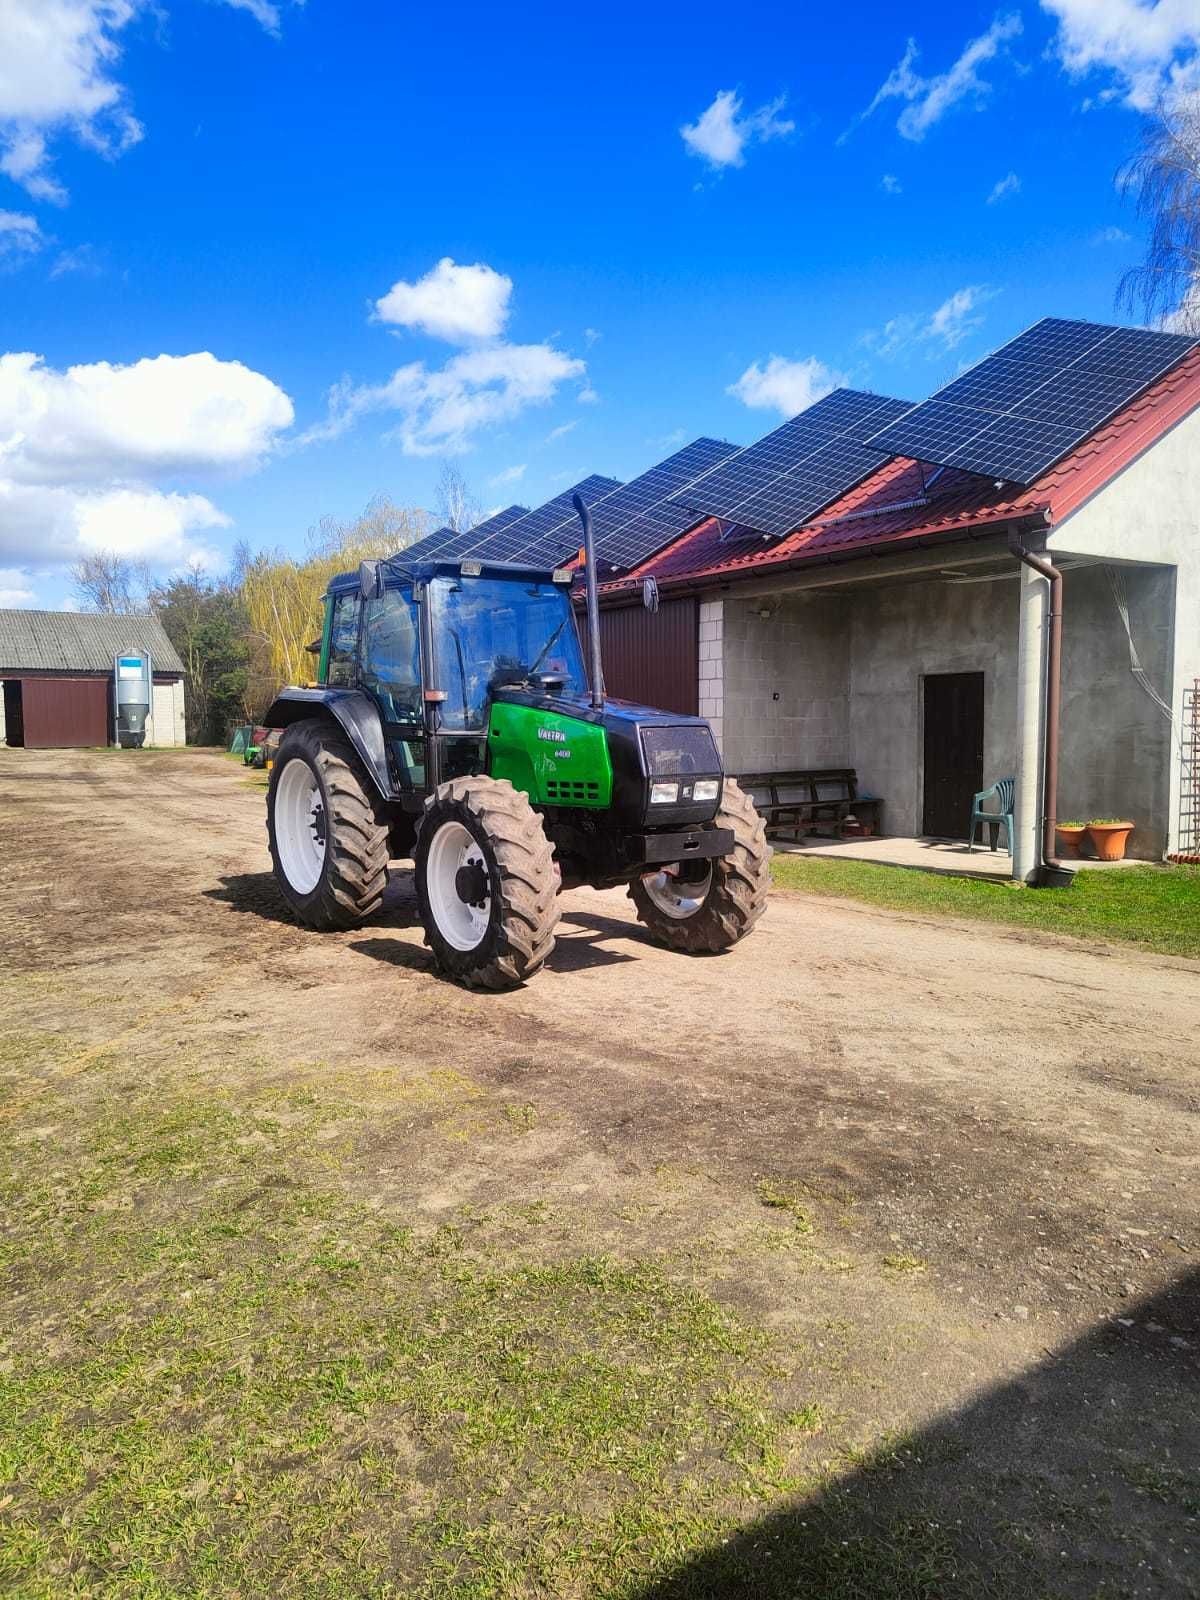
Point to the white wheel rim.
(455, 851)
(672, 896)
(301, 834)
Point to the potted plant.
(1108, 837)
(1069, 836)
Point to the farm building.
(897, 634)
(56, 668)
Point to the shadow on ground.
(257, 894)
(1080, 1478)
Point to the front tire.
(329, 843)
(487, 883)
(704, 908)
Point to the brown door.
(652, 656)
(953, 752)
(65, 711)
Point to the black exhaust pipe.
(593, 604)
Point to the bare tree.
(1164, 180)
(105, 581)
(457, 506)
(380, 529)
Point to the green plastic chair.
(1002, 791)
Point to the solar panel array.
(1016, 413)
(446, 541)
(629, 521)
(780, 482)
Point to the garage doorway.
(14, 721)
(953, 752)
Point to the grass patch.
(1155, 907)
(779, 1195)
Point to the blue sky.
(541, 242)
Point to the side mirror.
(370, 580)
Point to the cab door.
(390, 672)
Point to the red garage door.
(64, 711)
(652, 656)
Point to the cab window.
(343, 641)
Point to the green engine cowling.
(557, 760)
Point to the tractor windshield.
(492, 632)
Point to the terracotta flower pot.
(1108, 839)
(1069, 839)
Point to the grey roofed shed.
(79, 641)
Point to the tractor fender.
(355, 712)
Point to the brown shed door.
(652, 656)
(953, 752)
(64, 711)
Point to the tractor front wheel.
(487, 883)
(703, 907)
(329, 844)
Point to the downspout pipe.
(1052, 873)
(593, 604)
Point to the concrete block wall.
(898, 636)
(786, 682)
(712, 667)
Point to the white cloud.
(509, 475)
(783, 385)
(1150, 49)
(262, 11)
(458, 304)
(1004, 187)
(943, 329)
(81, 451)
(19, 235)
(1111, 235)
(14, 588)
(163, 414)
(81, 259)
(590, 335)
(442, 408)
(587, 396)
(561, 431)
(720, 135)
(56, 75)
(929, 99)
(890, 184)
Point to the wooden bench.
(796, 802)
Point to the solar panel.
(445, 541)
(635, 519)
(1016, 413)
(776, 484)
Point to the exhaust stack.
(595, 666)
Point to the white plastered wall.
(167, 723)
(1151, 513)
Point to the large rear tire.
(487, 883)
(329, 842)
(705, 907)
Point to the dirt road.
(995, 1138)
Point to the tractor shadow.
(583, 939)
(1077, 1478)
(256, 894)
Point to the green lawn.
(1156, 907)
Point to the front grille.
(676, 752)
(566, 790)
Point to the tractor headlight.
(706, 789)
(664, 794)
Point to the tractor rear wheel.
(487, 883)
(703, 907)
(329, 843)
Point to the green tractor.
(453, 724)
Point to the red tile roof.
(951, 501)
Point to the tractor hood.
(644, 746)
